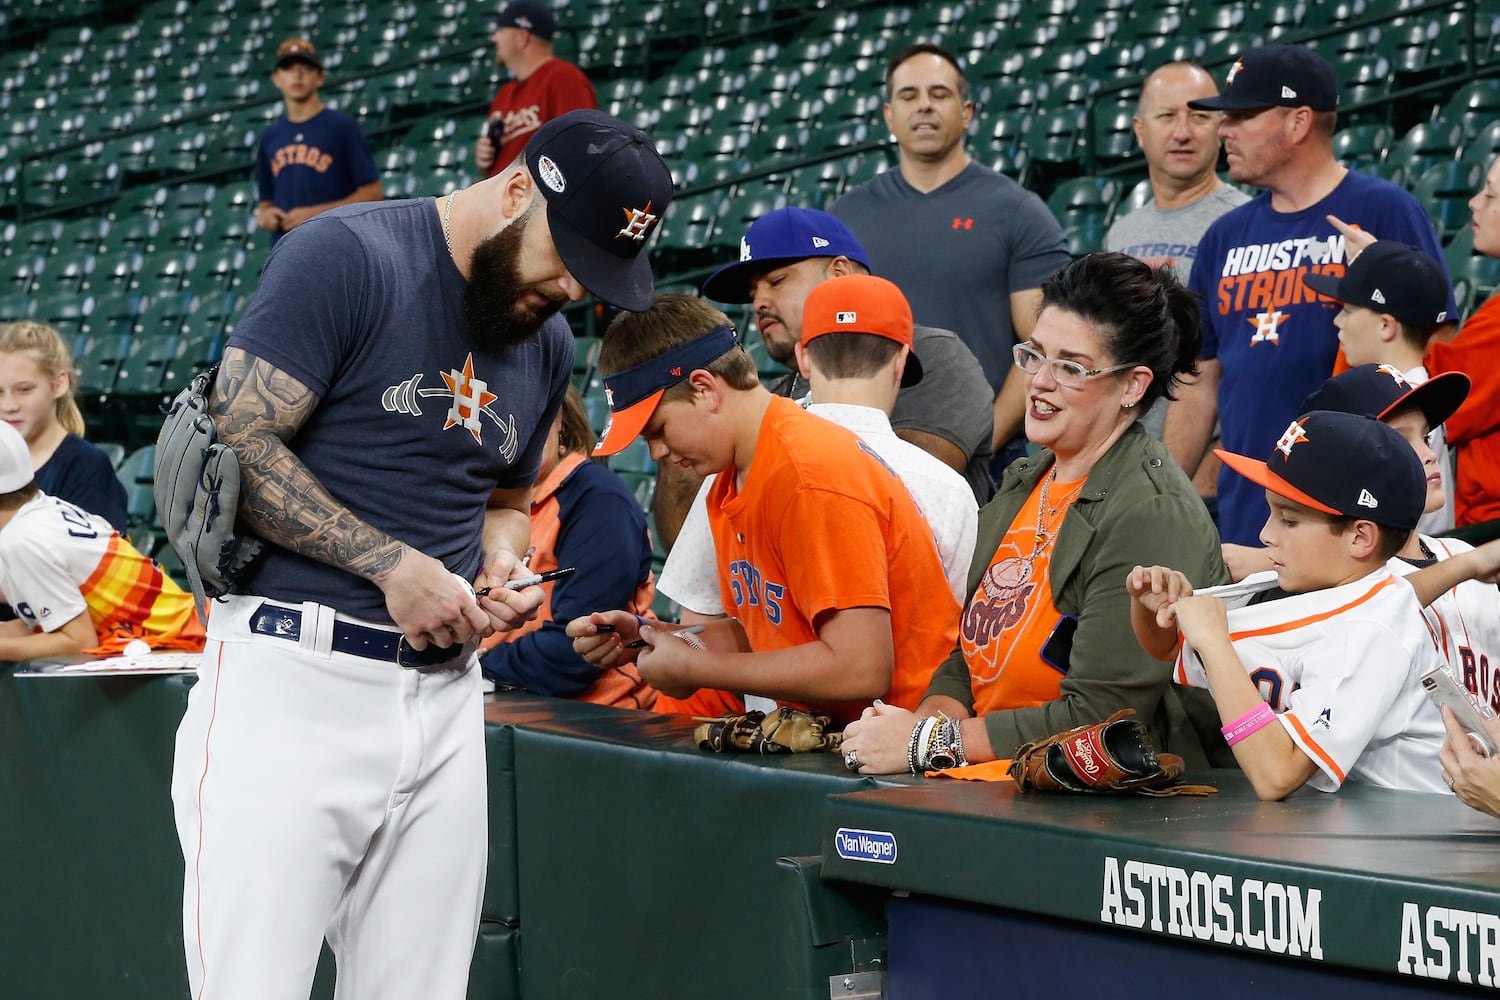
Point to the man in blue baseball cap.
(784, 255)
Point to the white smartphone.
(1444, 690)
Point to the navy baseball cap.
(634, 392)
(295, 50)
(1380, 390)
(530, 16)
(606, 189)
(1391, 277)
(1345, 464)
(781, 237)
(1276, 76)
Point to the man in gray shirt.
(967, 246)
(1181, 146)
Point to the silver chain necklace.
(448, 223)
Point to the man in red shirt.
(544, 87)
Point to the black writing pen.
(527, 581)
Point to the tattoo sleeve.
(257, 409)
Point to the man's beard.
(492, 307)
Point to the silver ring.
(1449, 779)
(851, 760)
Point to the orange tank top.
(1006, 626)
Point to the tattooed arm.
(257, 409)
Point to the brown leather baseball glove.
(785, 730)
(1115, 755)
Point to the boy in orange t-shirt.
(830, 572)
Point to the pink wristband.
(1248, 724)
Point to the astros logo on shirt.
(470, 398)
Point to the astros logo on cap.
(1396, 375)
(1294, 434)
(1234, 71)
(637, 223)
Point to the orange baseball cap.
(861, 303)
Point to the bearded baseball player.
(388, 394)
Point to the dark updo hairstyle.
(1144, 315)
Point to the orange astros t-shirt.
(821, 525)
(1011, 617)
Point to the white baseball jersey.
(690, 576)
(58, 561)
(1341, 667)
(1465, 624)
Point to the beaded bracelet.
(911, 747)
(1248, 724)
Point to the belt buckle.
(443, 664)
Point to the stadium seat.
(31, 239)
(1485, 146)
(99, 364)
(1114, 131)
(1358, 146)
(1472, 107)
(1444, 190)
(1085, 203)
(1056, 136)
(67, 312)
(636, 457)
(135, 474)
(1425, 145)
(142, 370)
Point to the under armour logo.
(1375, 296)
(1267, 325)
(638, 222)
(1234, 71)
(819, 243)
(963, 223)
(1288, 93)
(1367, 499)
(1294, 434)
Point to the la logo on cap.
(1294, 434)
(745, 250)
(845, 317)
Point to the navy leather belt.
(283, 622)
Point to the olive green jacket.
(1136, 508)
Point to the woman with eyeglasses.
(1045, 642)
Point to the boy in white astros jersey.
(1314, 666)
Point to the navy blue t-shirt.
(415, 426)
(1274, 337)
(312, 162)
(82, 474)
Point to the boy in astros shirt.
(1315, 665)
(829, 571)
(70, 583)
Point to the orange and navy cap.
(861, 303)
(295, 50)
(606, 188)
(1345, 464)
(634, 392)
(1380, 390)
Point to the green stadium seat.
(1084, 200)
(114, 272)
(1425, 145)
(1444, 190)
(66, 312)
(31, 239)
(688, 226)
(85, 234)
(1358, 146)
(142, 371)
(817, 185)
(135, 474)
(1056, 136)
(1397, 173)
(197, 353)
(1114, 131)
(159, 317)
(99, 364)
(113, 315)
(585, 361)
(16, 274)
(1472, 107)
(61, 272)
(636, 457)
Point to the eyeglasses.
(1065, 373)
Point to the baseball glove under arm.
(785, 730)
(1110, 756)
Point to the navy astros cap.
(606, 189)
(1380, 390)
(530, 16)
(1276, 76)
(1344, 464)
(781, 237)
(295, 50)
(1391, 277)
